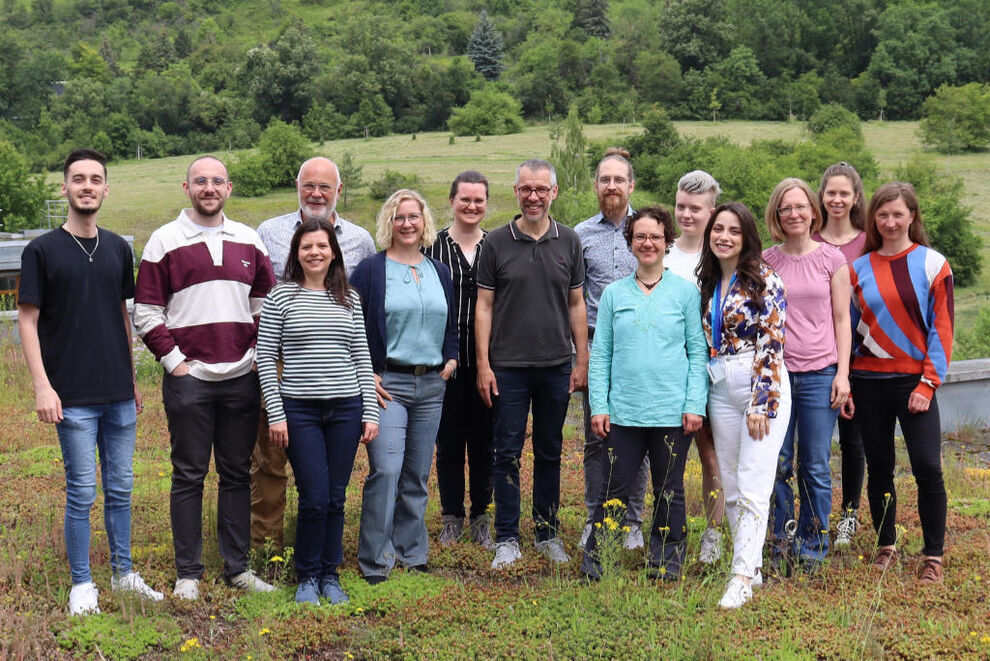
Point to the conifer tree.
(592, 15)
(485, 48)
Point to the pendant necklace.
(649, 285)
(79, 243)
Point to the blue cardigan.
(369, 281)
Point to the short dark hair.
(468, 177)
(84, 155)
(658, 214)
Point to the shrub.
(391, 181)
(253, 175)
(286, 147)
(957, 118)
(832, 116)
(488, 112)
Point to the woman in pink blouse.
(816, 353)
(840, 198)
(749, 400)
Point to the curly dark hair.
(658, 214)
(709, 269)
(336, 278)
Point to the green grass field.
(146, 194)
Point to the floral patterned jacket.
(755, 325)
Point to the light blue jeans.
(810, 429)
(393, 510)
(84, 430)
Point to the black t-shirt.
(532, 280)
(80, 325)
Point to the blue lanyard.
(717, 314)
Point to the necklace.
(79, 243)
(649, 285)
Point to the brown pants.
(268, 483)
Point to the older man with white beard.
(318, 184)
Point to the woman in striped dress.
(323, 403)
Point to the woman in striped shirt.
(903, 317)
(324, 403)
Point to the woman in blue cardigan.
(412, 336)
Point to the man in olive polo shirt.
(530, 314)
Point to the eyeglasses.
(310, 187)
(605, 180)
(643, 238)
(784, 212)
(412, 219)
(526, 191)
(203, 181)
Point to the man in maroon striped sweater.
(198, 297)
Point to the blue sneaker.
(331, 590)
(308, 592)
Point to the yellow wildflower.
(276, 558)
(191, 644)
(264, 632)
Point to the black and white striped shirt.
(465, 277)
(323, 347)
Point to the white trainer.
(553, 549)
(846, 528)
(248, 580)
(506, 553)
(84, 599)
(132, 582)
(585, 534)
(711, 546)
(736, 594)
(757, 580)
(186, 588)
(634, 538)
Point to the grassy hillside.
(145, 194)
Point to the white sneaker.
(186, 588)
(711, 546)
(84, 599)
(634, 538)
(736, 594)
(757, 580)
(585, 535)
(553, 549)
(132, 582)
(248, 580)
(506, 553)
(846, 528)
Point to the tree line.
(182, 76)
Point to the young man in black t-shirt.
(76, 337)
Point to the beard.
(611, 205)
(202, 209)
(324, 212)
(85, 211)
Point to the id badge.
(716, 370)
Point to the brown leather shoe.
(931, 571)
(887, 557)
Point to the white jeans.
(747, 467)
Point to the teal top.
(415, 314)
(649, 354)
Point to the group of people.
(299, 343)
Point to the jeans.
(218, 417)
(466, 423)
(811, 421)
(110, 429)
(547, 389)
(323, 439)
(595, 463)
(878, 403)
(667, 448)
(747, 467)
(853, 463)
(393, 511)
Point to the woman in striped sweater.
(324, 403)
(902, 316)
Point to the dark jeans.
(878, 403)
(853, 463)
(323, 439)
(219, 417)
(547, 389)
(466, 422)
(667, 448)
